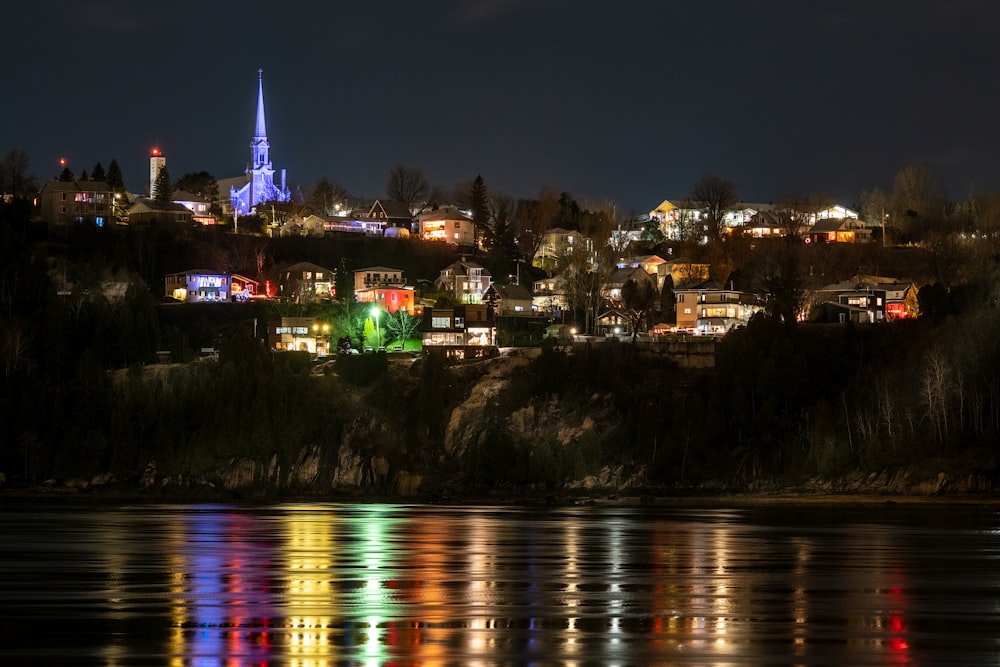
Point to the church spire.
(261, 128)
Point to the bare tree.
(639, 300)
(532, 218)
(586, 277)
(918, 198)
(14, 176)
(327, 196)
(714, 196)
(875, 209)
(407, 185)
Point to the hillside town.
(829, 337)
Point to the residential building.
(446, 224)
(558, 242)
(199, 206)
(299, 334)
(509, 300)
(711, 308)
(839, 230)
(549, 297)
(395, 218)
(150, 210)
(612, 290)
(66, 202)
(378, 276)
(900, 295)
(305, 282)
(462, 332)
(466, 281)
(859, 301)
(199, 285)
(384, 286)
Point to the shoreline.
(499, 498)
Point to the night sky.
(627, 100)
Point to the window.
(438, 322)
(459, 322)
(458, 225)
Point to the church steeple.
(260, 185)
(259, 146)
(261, 127)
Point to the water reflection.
(312, 585)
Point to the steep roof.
(307, 266)
(145, 205)
(443, 213)
(392, 209)
(512, 292)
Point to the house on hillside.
(462, 332)
(900, 295)
(711, 308)
(305, 282)
(198, 285)
(509, 300)
(65, 202)
(384, 286)
(446, 224)
(861, 306)
(299, 334)
(199, 206)
(150, 210)
(857, 301)
(549, 296)
(612, 290)
(557, 243)
(466, 281)
(839, 230)
(393, 215)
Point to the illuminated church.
(260, 185)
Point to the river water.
(319, 584)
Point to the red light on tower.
(62, 162)
(155, 152)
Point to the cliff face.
(510, 424)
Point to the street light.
(378, 332)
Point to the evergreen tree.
(114, 177)
(479, 203)
(98, 173)
(66, 175)
(668, 301)
(344, 285)
(84, 176)
(163, 187)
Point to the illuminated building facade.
(65, 202)
(462, 332)
(199, 285)
(299, 334)
(260, 185)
